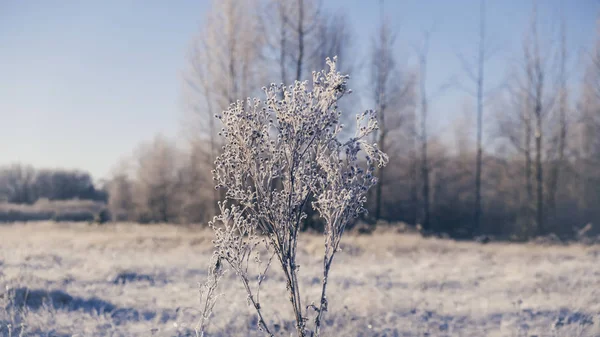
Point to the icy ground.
(132, 280)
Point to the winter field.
(132, 280)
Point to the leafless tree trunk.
(539, 171)
(201, 104)
(536, 78)
(307, 18)
(561, 141)
(301, 35)
(533, 108)
(527, 153)
(423, 134)
(282, 41)
(515, 126)
(392, 94)
(223, 64)
(477, 77)
(480, 75)
(413, 172)
(289, 27)
(588, 160)
(277, 29)
(333, 38)
(383, 65)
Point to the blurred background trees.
(23, 184)
(524, 162)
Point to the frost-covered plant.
(279, 154)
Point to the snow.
(135, 280)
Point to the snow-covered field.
(133, 280)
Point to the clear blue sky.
(83, 82)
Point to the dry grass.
(135, 280)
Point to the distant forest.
(23, 184)
(541, 176)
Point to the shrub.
(102, 217)
(56, 210)
(279, 154)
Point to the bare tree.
(392, 91)
(121, 201)
(529, 96)
(589, 101)
(17, 184)
(423, 137)
(591, 104)
(304, 23)
(514, 125)
(425, 98)
(223, 65)
(461, 128)
(413, 169)
(480, 83)
(589, 131)
(536, 80)
(292, 32)
(477, 77)
(197, 192)
(333, 37)
(275, 28)
(560, 139)
(157, 181)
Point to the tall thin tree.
(480, 74)
(423, 54)
(290, 28)
(392, 90)
(223, 65)
(536, 78)
(476, 76)
(560, 139)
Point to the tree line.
(540, 176)
(24, 184)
